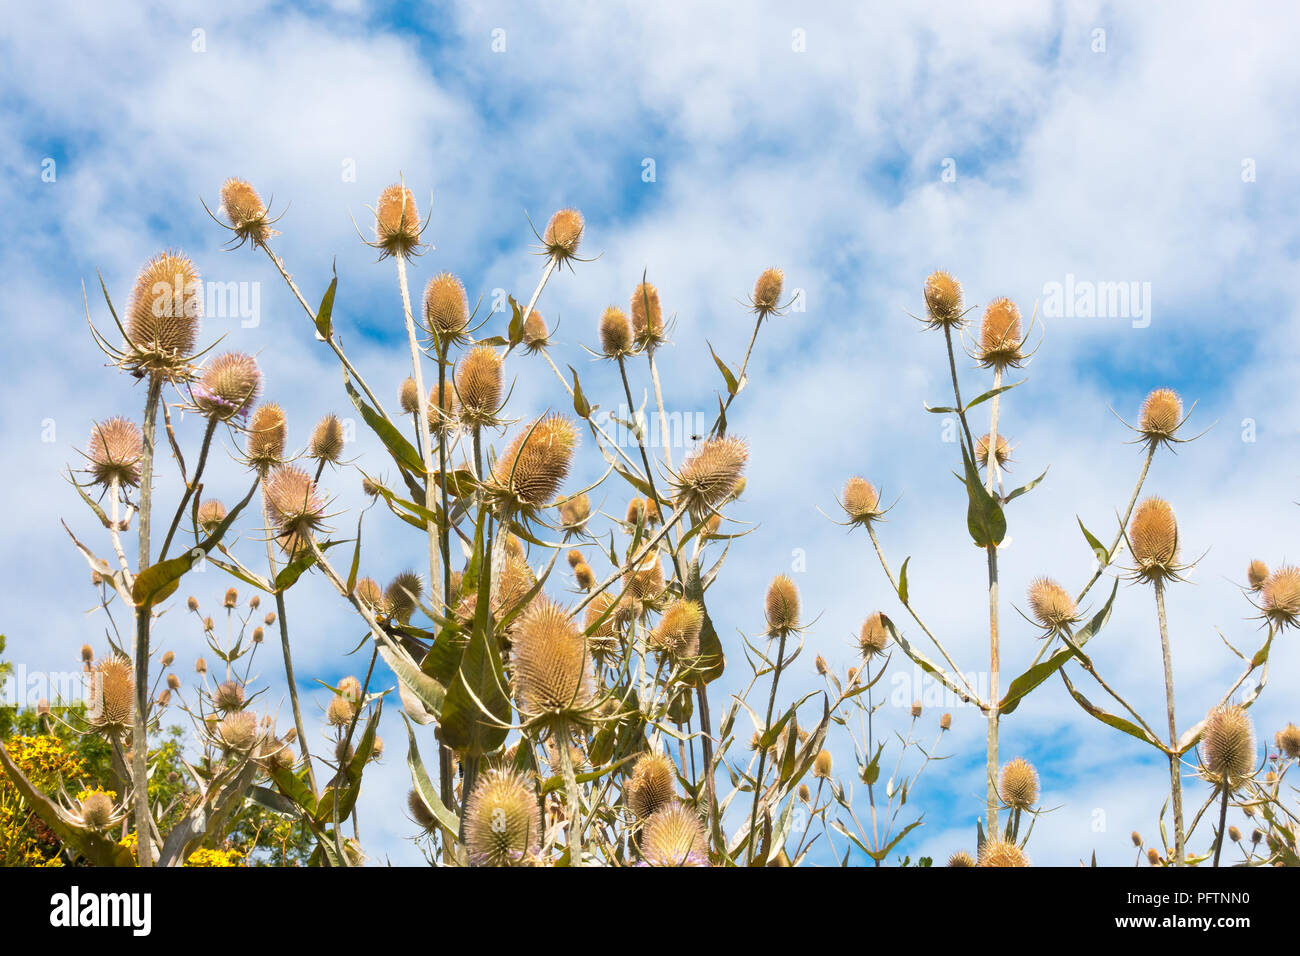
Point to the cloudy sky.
(1022, 147)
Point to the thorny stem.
(1119, 535)
(995, 657)
(139, 725)
(599, 429)
(1223, 822)
(572, 794)
(762, 754)
(1175, 763)
(190, 486)
(740, 378)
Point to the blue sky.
(1160, 151)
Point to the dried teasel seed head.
(1136, 838)
(402, 595)
(244, 209)
(1162, 413)
(943, 300)
(1234, 834)
(42, 707)
(409, 397)
(115, 679)
(822, 765)
(552, 666)
(767, 292)
(350, 688)
(200, 666)
(1002, 455)
(1018, 785)
(442, 407)
(369, 593)
(782, 606)
(999, 342)
(238, 732)
(1051, 604)
(1228, 746)
(167, 659)
(162, 319)
(326, 440)
(211, 513)
(961, 858)
(674, 836)
(173, 682)
(535, 332)
(1153, 858)
(1288, 741)
(997, 852)
(678, 631)
(228, 386)
(805, 794)
(615, 332)
(1280, 596)
(861, 501)
(116, 452)
(231, 600)
(478, 384)
(1153, 535)
(340, 711)
(259, 635)
(1256, 574)
(420, 812)
(635, 509)
(87, 653)
(708, 477)
(537, 461)
(874, 636)
(513, 546)
(96, 810)
(446, 309)
(652, 784)
(254, 602)
(945, 722)
(647, 316)
(575, 558)
(397, 221)
(563, 233)
(585, 577)
(228, 696)
(821, 666)
(574, 512)
(292, 500)
(267, 433)
(503, 826)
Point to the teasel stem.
(434, 531)
(282, 619)
(471, 765)
(1175, 763)
(1119, 535)
(599, 429)
(311, 314)
(1223, 825)
(114, 494)
(563, 736)
(762, 754)
(995, 654)
(743, 366)
(190, 486)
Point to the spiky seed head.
(244, 209)
(861, 501)
(211, 513)
(652, 784)
(647, 316)
(229, 696)
(267, 433)
(575, 558)
(874, 636)
(515, 580)
(961, 858)
(943, 300)
(173, 682)
(615, 332)
(368, 593)
(200, 666)
(1228, 746)
(805, 794)
(442, 407)
(513, 546)
(822, 765)
(397, 221)
(999, 344)
(420, 812)
(585, 577)
(563, 233)
(535, 332)
(821, 666)
(228, 387)
(231, 599)
(652, 515)
(1288, 741)
(1280, 596)
(767, 292)
(350, 688)
(167, 659)
(1051, 604)
(709, 476)
(1256, 574)
(711, 525)
(1234, 834)
(575, 512)
(326, 440)
(87, 653)
(1162, 413)
(997, 852)
(503, 825)
(409, 397)
(1018, 785)
(43, 707)
(945, 722)
(635, 507)
(446, 308)
(1136, 838)
(96, 810)
(1153, 858)
(291, 497)
(1002, 454)
(254, 602)
(782, 606)
(678, 631)
(340, 710)
(402, 594)
(478, 383)
(275, 755)
(674, 836)
(163, 316)
(552, 664)
(1153, 534)
(595, 609)
(538, 460)
(116, 451)
(116, 680)
(238, 732)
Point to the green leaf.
(733, 384)
(902, 581)
(324, 324)
(580, 404)
(712, 661)
(515, 330)
(1119, 723)
(1025, 488)
(423, 786)
(426, 690)
(292, 571)
(404, 454)
(984, 518)
(991, 392)
(1098, 549)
